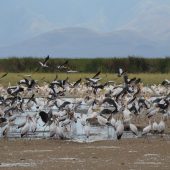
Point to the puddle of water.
(67, 159)
(132, 151)
(154, 155)
(37, 151)
(102, 147)
(147, 163)
(9, 165)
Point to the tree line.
(131, 64)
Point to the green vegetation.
(147, 79)
(106, 65)
(151, 71)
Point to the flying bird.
(165, 82)
(96, 74)
(120, 72)
(77, 83)
(3, 75)
(63, 65)
(43, 64)
(72, 71)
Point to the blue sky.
(23, 19)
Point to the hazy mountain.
(81, 42)
(144, 28)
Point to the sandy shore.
(57, 154)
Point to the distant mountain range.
(143, 29)
(82, 42)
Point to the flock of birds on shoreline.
(122, 107)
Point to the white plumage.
(147, 129)
(161, 126)
(134, 129)
(119, 130)
(155, 126)
(87, 129)
(101, 120)
(25, 128)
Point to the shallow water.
(10, 165)
(77, 133)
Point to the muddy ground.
(49, 154)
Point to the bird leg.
(163, 138)
(44, 131)
(108, 136)
(146, 138)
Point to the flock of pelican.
(59, 105)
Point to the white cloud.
(39, 25)
(152, 19)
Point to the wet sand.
(49, 154)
